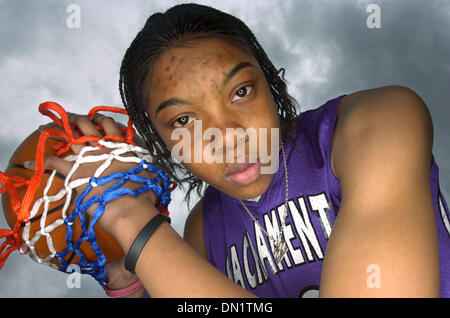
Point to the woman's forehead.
(194, 68)
(200, 54)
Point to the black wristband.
(142, 238)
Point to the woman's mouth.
(243, 173)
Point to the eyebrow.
(178, 101)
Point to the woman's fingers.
(86, 127)
(76, 148)
(109, 125)
(51, 163)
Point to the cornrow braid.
(177, 26)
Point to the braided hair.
(177, 26)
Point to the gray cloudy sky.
(325, 46)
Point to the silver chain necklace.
(279, 243)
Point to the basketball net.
(26, 209)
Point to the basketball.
(27, 151)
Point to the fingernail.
(28, 164)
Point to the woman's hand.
(119, 208)
(119, 278)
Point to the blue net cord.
(97, 268)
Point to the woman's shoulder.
(336, 110)
(359, 110)
(375, 112)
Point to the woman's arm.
(120, 278)
(168, 266)
(386, 229)
(193, 230)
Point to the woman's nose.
(230, 132)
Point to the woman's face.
(212, 86)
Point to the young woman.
(353, 209)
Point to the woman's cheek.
(209, 173)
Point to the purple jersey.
(238, 247)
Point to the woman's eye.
(242, 92)
(181, 121)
